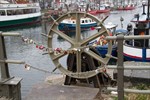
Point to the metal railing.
(6, 82)
(120, 66)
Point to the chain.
(28, 67)
(56, 51)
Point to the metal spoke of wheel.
(64, 36)
(93, 37)
(58, 56)
(78, 39)
(97, 57)
(78, 29)
(78, 59)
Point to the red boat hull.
(125, 8)
(98, 11)
(103, 11)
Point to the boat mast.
(128, 2)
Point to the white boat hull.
(136, 54)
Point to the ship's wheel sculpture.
(78, 46)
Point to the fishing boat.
(139, 50)
(101, 44)
(127, 7)
(18, 13)
(93, 12)
(101, 9)
(70, 24)
(105, 8)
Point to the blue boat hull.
(65, 27)
(102, 50)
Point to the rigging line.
(27, 66)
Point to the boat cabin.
(142, 26)
(82, 21)
(9, 12)
(13, 9)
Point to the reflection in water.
(70, 34)
(20, 27)
(84, 34)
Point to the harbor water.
(19, 50)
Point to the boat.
(19, 13)
(101, 46)
(105, 8)
(93, 12)
(70, 24)
(138, 50)
(127, 7)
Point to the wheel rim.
(78, 45)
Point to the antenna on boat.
(144, 4)
(121, 20)
(148, 10)
(67, 7)
(87, 7)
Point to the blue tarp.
(119, 31)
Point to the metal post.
(148, 10)
(3, 66)
(9, 86)
(144, 9)
(120, 75)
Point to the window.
(82, 21)
(9, 12)
(2, 13)
(86, 21)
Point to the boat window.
(37, 10)
(82, 21)
(73, 21)
(18, 11)
(33, 10)
(86, 21)
(2, 12)
(9, 12)
(25, 11)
